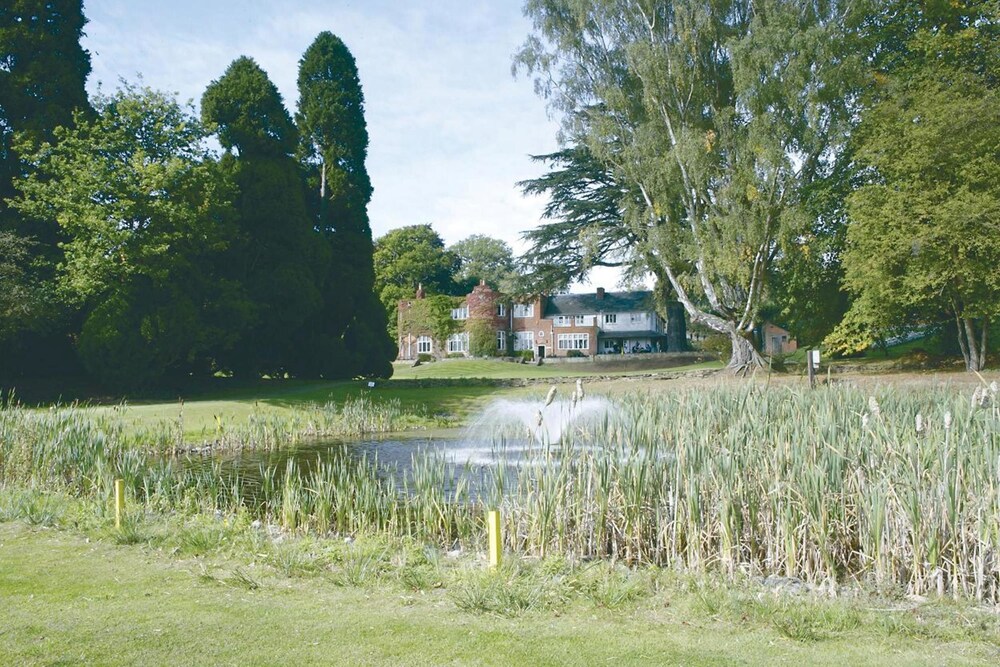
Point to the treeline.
(133, 252)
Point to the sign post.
(812, 363)
(493, 527)
(119, 501)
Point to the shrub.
(575, 354)
(424, 357)
(718, 346)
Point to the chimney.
(420, 290)
(600, 294)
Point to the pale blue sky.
(450, 128)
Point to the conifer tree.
(353, 338)
(274, 256)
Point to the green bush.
(575, 353)
(718, 346)
(425, 357)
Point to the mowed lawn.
(197, 415)
(71, 601)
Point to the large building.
(548, 326)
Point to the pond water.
(506, 436)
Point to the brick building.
(551, 326)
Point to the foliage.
(711, 119)
(276, 254)
(482, 258)
(350, 337)
(482, 338)
(249, 112)
(925, 232)
(432, 315)
(146, 216)
(408, 257)
(43, 70)
(587, 212)
(19, 298)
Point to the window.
(501, 309)
(501, 340)
(610, 318)
(637, 317)
(458, 342)
(524, 310)
(524, 340)
(570, 320)
(574, 341)
(562, 321)
(580, 320)
(460, 313)
(424, 345)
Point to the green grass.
(67, 600)
(199, 416)
(497, 369)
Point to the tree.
(483, 258)
(716, 114)
(407, 257)
(587, 225)
(277, 256)
(19, 298)
(146, 214)
(334, 145)
(925, 232)
(43, 71)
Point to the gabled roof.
(589, 304)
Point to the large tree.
(408, 257)
(483, 258)
(716, 114)
(587, 213)
(43, 71)
(146, 214)
(277, 256)
(925, 234)
(334, 146)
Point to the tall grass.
(899, 490)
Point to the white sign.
(815, 357)
(371, 385)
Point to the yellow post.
(493, 524)
(119, 501)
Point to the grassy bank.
(893, 489)
(71, 600)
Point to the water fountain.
(514, 426)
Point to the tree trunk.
(973, 343)
(676, 327)
(745, 357)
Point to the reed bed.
(898, 490)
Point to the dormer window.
(460, 313)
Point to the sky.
(451, 130)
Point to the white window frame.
(425, 345)
(611, 318)
(637, 317)
(573, 341)
(580, 320)
(460, 313)
(522, 310)
(501, 309)
(524, 341)
(501, 340)
(562, 321)
(458, 342)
